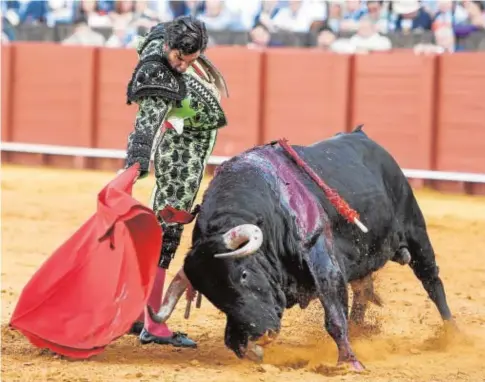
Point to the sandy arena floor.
(43, 207)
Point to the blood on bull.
(268, 237)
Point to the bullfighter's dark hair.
(186, 34)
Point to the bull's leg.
(423, 263)
(332, 292)
(363, 293)
(334, 298)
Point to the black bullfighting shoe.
(177, 339)
(136, 328)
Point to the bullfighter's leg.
(332, 292)
(179, 168)
(423, 263)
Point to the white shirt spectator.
(84, 35)
(244, 11)
(60, 11)
(216, 16)
(368, 39)
(445, 15)
(299, 15)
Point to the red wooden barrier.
(114, 119)
(460, 139)
(242, 71)
(429, 112)
(6, 92)
(393, 97)
(306, 95)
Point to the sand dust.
(43, 207)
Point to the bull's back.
(367, 177)
(357, 151)
(357, 167)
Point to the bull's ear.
(259, 221)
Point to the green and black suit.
(190, 103)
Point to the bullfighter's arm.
(154, 87)
(150, 116)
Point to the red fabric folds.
(93, 287)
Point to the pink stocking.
(155, 298)
(154, 328)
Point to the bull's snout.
(266, 338)
(254, 350)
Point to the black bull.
(267, 238)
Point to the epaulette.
(153, 77)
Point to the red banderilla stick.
(340, 204)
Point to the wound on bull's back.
(293, 194)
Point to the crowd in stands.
(345, 26)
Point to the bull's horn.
(238, 235)
(174, 291)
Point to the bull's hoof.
(136, 328)
(352, 366)
(177, 339)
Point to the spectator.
(123, 14)
(299, 15)
(476, 13)
(168, 10)
(95, 17)
(260, 37)
(367, 39)
(379, 15)
(430, 6)
(445, 42)
(354, 10)
(5, 38)
(244, 12)
(10, 16)
(25, 11)
(9, 20)
(83, 34)
(120, 36)
(411, 16)
(194, 7)
(475, 21)
(335, 16)
(216, 16)
(328, 41)
(268, 11)
(445, 39)
(105, 7)
(60, 12)
(143, 16)
(449, 14)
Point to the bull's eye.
(244, 275)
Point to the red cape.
(94, 286)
